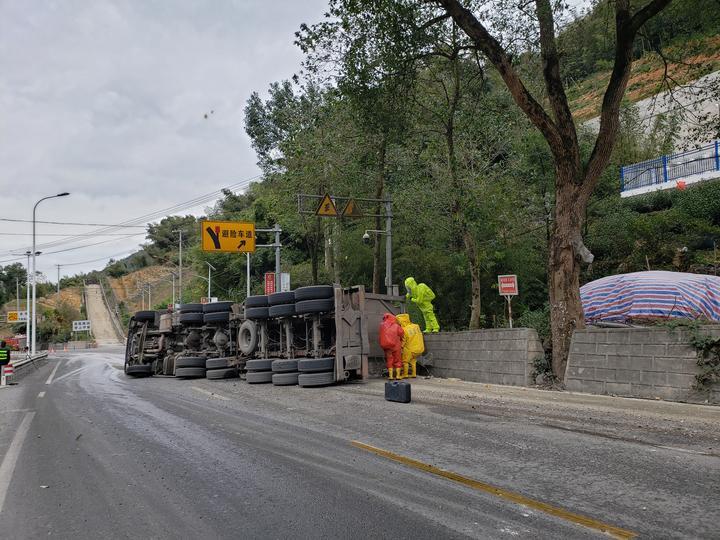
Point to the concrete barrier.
(496, 356)
(637, 362)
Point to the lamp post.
(180, 292)
(210, 267)
(34, 266)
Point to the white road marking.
(7, 467)
(211, 394)
(54, 371)
(41, 394)
(70, 374)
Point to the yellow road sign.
(326, 208)
(352, 209)
(228, 236)
(13, 316)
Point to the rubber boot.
(391, 377)
(406, 367)
(413, 371)
(398, 374)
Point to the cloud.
(107, 100)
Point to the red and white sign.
(269, 282)
(508, 285)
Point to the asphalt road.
(86, 452)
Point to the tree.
(575, 177)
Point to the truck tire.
(256, 313)
(258, 377)
(275, 299)
(216, 307)
(314, 292)
(314, 365)
(191, 318)
(189, 362)
(140, 370)
(191, 308)
(215, 318)
(315, 306)
(218, 363)
(248, 337)
(316, 379)
(190, 372)
(145, 316)
(281, 310)
(227, 373)
(256, 301)
(284, 366)
(285, 379)
(259, 364)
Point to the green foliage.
(539, 319)
(56, 324)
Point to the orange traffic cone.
(65, 349)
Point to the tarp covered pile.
(652, 295)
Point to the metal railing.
(112, 306)
(669, 168)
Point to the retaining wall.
(637, 362)
(497, 356)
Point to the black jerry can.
(397, 391)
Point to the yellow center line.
(611, 530)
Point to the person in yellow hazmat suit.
(413, 345)
(422, 296)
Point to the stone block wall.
(637, 362)
(497, 356)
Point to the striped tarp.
(647, 295)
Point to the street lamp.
(210, 267)
(34, 277)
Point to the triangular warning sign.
(326, 208)
(352, 209)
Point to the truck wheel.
(316, 379)
(285, 379)
(217, 363)
(141, 370)
(279, 298)
(284, 366)
(257, 377)
(169, 365)
(314, 292)
(189, 362)
(216, 307)
(281, 310)
(259, 364)
(191, 318)
(145, 316)
(256, 301)
(191, 308)
(315, 306)
(227, 373)
(256, 313)
(314, 365)
(190, 372)
(216, 317)
(248, 337)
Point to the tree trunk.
(566, 311)
(379, 190)
(327, 243)
(474, 261)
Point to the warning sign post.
(508, 287)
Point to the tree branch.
(648, 12)
(503, 63)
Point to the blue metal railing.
(670, 168)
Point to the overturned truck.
(312, 336)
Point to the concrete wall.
(636, 362)
(497, 356)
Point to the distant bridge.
(671, 171)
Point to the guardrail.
(29, 360)
(113, 308)
(660, 173)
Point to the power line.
(69, 223)
(64, 234)
(202, 199)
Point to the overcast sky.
(107, 99)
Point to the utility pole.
(58, 285)
(27, 302)
(180, 296)
(149, 296)
(17, 293)
(210, 267)
(247, 255)
(388, 245)
(277, 230)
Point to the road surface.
(99, 316)
(86, 453)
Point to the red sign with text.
(507, 285)
(270, 283)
